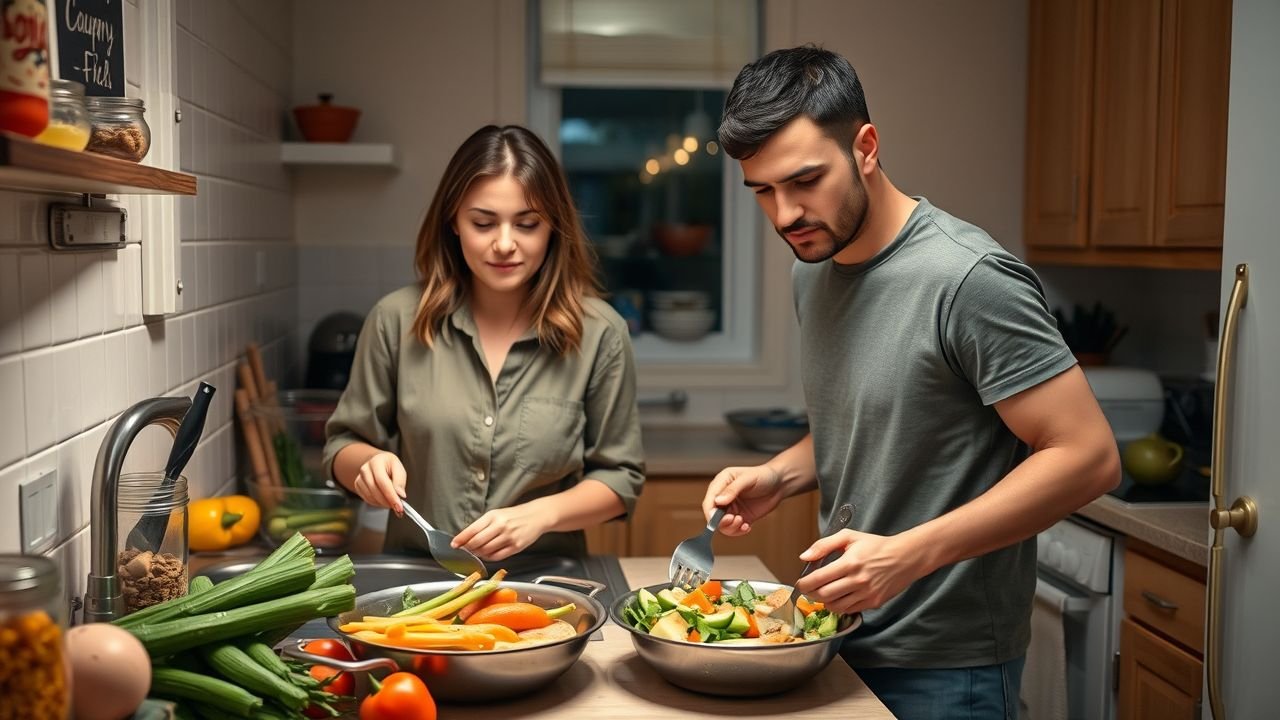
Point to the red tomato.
(402, 696)
(343, 684)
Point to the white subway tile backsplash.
(131, 257)
(64, 308)
(190, 358)
(137, 363)
(117, 383)
(37, 322)
(70, 418)
(90, 294)
(8, 218)
(73, 489)
(10, 303)
(10, 519)
(113, 305)
(13, 415)
(173, 352)
(72, 558)
(158, 363)
(40, 394)
(33, 219)
(94, 376)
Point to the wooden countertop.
(700, 452)
(611, 681)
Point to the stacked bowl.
(683, 315)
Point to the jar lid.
(27, 579)
(100, 101)
(66, 86)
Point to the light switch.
(38, 506)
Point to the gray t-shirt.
(903, 357)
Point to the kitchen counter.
(611, 681)
(1181, 529)
(703, 451)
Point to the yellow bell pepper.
(218, 523)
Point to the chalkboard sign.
(91, 44)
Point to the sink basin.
(379, 572)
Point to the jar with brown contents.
(33, 674)
(155, 573)
(119, 128)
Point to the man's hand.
(503, 532)
(746, 493)
(381, 481)
(870, 571)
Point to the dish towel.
(1044, 678)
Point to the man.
(943, 402)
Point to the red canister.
(24, 66)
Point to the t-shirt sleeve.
(366, 411)
(998, 332)
(612, 449)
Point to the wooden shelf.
(27, 165)
(343, 154)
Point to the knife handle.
(189, 430)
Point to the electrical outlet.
(38, 507)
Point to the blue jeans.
(988, 692)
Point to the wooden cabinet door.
(1126, 86)
(1157, 678)
(1191, 169)
(1059, 98)
(670, 510)
(611, 538)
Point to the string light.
(712, 147)
(690, 144)
(681, 156)
(652, 166)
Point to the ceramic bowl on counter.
(679, 300)
(769, 429)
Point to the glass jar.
(153, 570)
(68, 126)
(33, 673)
(24, 66)
(119, 129)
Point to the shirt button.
(488, 420)
(480, 475)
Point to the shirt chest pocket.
(549, 440)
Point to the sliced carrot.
(699, 600)
(517, 616)
(806, 607)
(753, 629)
(711, 589)
(694, 635)
(499, 632)
(501, 595)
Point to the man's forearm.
(796, 467)
(1043, 489)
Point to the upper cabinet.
(1127, 132)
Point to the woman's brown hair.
(567, 274)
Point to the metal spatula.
(459, 561)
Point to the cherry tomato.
(343, 684)
(401, 696)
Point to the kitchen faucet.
(103, 597)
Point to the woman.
(507, 385)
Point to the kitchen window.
(676, 233)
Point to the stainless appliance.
(1079, 566)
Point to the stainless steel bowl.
(735, 671)
(469, 676)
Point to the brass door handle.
(1242, 516)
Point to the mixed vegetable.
(711, 614)
(469, 616)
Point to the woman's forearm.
(347, 463)
(584, 505)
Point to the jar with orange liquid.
(69, 124)
(33, 670)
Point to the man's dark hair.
(774, 90)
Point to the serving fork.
(692, 561)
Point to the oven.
(1075, 624)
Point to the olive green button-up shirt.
(470, 444)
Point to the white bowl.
(680, 300)
(682, 325)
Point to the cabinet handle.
(1242, 516)
(1158, 601)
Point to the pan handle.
(296, 652)
(592, 585)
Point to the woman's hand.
(381, 481)
(503, 532)
(746, 493)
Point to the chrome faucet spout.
(103, 597)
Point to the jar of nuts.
(119, 129)
(33, 674)
(154, 573)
